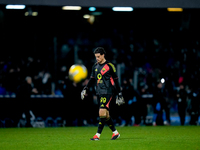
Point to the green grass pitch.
(77, 138)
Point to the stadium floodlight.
(26, 13)
(15, 6)
(162, 80)
(175, 9)
(92, 8)
(86, 16)
(35, 13)
(31, 13)
(122, 9)
(71, 8)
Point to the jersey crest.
(105, 69)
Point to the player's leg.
(111, 125)
(102, 116)
(102, 120)
(109, 120)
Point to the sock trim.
(98, 134)
(115, 132)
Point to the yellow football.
(78, 73)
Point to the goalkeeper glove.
(83, 93)
(120, 99)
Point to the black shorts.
(104, 100)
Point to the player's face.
(99, 57)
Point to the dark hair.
(100, 50)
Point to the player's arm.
(117, 86)
(89, 84)
(91, 81)
(120, 99)
(115, 78)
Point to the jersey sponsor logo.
(99, 81)
(99, 76)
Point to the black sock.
(110, 123)
(102, 121)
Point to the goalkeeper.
(104, 76)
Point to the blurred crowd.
(167, 75)
(14, 71)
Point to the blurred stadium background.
(148, 44)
